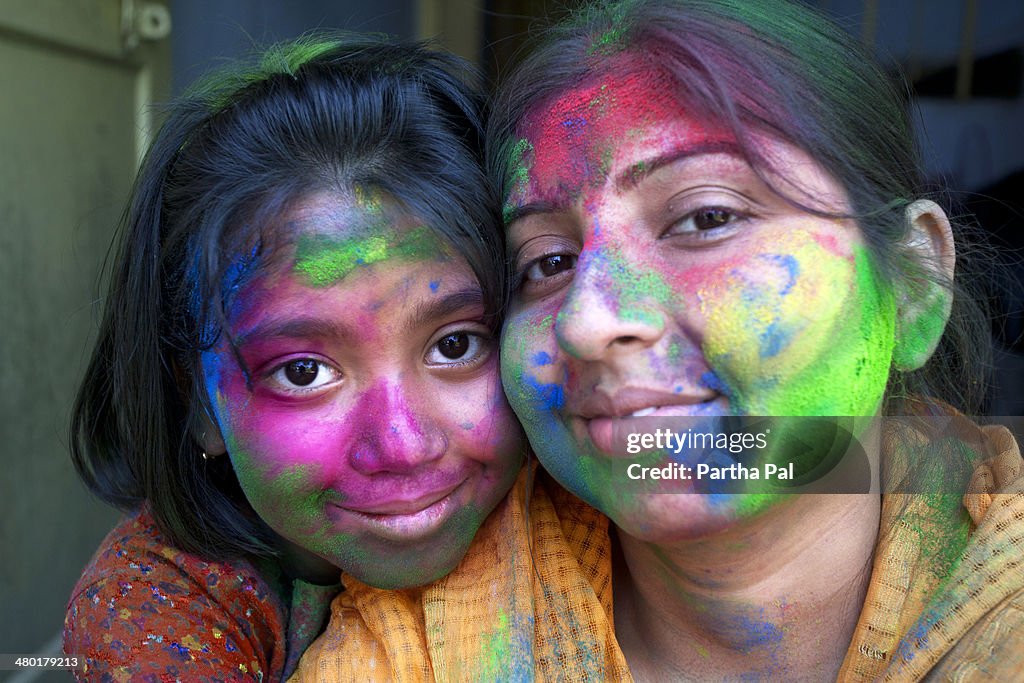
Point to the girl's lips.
(405, 521)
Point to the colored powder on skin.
(520, 161)
(612, 110)
(623, 290)
(542, 358)
(547, 397)
(918, 335)
(324, 260)
(434, 284)
(800, 370)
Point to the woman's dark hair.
(778, 68)
(326, 113)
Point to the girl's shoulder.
(143, 606)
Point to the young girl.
(295, 372)
(713, 209)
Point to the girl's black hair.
(775, 67)
(325, 113)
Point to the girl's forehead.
(325, 237)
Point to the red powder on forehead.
(576, 137)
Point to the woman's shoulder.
(144, 606)
(972, 623)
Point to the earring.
(205, 456)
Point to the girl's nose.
(396, 434)
(607, 311)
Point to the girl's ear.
(924, 299)
(210, 438)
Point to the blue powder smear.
(548, 396)
(792, 266)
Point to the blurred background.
(78, 77)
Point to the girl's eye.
(549, 266)
(303, 374)
(457, 348)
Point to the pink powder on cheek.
(831, 244)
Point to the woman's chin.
(669, 518)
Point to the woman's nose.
(394, 434)
(609, 309)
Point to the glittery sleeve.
(145, 611)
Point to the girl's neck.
(777, 596)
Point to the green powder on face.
(851, 378)
(324, 260)
(519, 174)
(835, 330)
(919, 334)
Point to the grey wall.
(208, 31)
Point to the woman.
(296, 373)
(714, 209)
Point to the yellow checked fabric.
(511, 611)
(946, 598)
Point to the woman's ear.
(924, 299)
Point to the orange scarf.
(511, 611)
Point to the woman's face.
(372, 430)
(660, 276)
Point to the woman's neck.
(776, 596)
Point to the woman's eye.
(706, 219)
(457, 348)
(304, 374)
(549, 266)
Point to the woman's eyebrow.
(641, 170)
(442, 306)
(514, 213)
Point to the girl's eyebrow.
(293, 328)
(443, 306)
(319, 328)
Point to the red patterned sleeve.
(144, 611)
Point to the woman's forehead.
(625, 124)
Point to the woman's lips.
(608, 432)
(406, 520)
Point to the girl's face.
(660, 276)
(372, 430)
